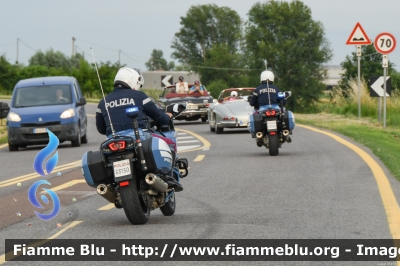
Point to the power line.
(7, 44)
(140, 60)
(97, 45)
(222, 68)
(90, 54)
(28, 45)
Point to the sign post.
(384, 44)
(358, 37)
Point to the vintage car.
(197, 103)
(230, 112)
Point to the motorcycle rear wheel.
(273, 145)
(133, 203)
(169, 208)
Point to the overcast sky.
(138, 27)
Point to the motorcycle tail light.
(124, 183)
(270, 112)
(117, 145)
(228, 118)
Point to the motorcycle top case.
(94, 171)
(158, 155)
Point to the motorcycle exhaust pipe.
(259, 135)
(156, 182)
(107, 193)
(285, 133)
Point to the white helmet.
(267, 75)
(234, 94)
(129, 77)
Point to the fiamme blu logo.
(40, 164)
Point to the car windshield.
(242, 94)
(42, 95)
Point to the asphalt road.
(317, 188)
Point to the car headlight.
(68, 113)
(13, 117)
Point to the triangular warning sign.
(358, 36)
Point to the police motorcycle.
(271, 125)
(132, 167)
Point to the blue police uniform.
(263, 94)
(117, 102)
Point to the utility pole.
(73, 46)
(16, 62)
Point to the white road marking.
(188, 141)
(184, 148)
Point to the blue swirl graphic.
(34, 201)
(44, 153)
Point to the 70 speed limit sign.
(385, 43)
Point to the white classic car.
(230, 112)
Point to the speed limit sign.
(385, 43)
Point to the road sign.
(376, 85)
(358, 36)
(385, 43)
(166, 80)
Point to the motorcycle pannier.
(289, 120)
(258, 123)
(158, 155)
(95, 172)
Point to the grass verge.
(3, 131)
(384, 143)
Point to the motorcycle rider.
(266, 96)
(126, 85)
(266, 93)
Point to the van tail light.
(270, 112)
(117, 145)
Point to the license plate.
(271, 125)
(39, 130)
(193, 107)
(122, 168)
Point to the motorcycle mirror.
(176, 109)
(179, 107)
(288, 94)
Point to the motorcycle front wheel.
(133, 202)
(273, 144)
(169, 208)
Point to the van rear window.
(42, 95)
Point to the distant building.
(333, 76)
(160, 79)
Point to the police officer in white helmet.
(126, 93)
(266, 94)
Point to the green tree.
(285, 34)
(8, 75)
(158, 62)
(207, 30)
(370, 65)
(55, 59)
